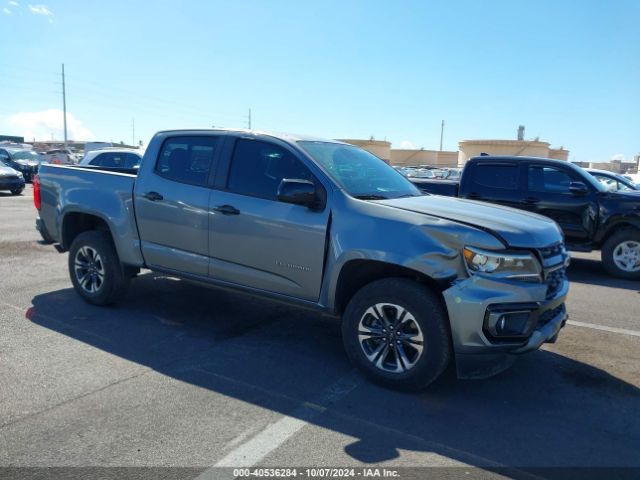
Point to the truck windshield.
(25, 155)
(360, 173)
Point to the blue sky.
(567, 70)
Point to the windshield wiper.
(371, 197)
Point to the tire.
(17, 191)
(425, 319)
(92, 253)
(621, 254)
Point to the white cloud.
(407, 145)
(40, 125)
(618, 156)
(41, 10)
(14, 3)
(6, 11)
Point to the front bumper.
(477, 353)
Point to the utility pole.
(133, 132)
(441, 134)
(64, 107)
(249, 119)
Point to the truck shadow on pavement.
(590, 271)
(546, 411)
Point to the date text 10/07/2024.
(317, 473)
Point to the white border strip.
(623, 331)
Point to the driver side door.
(257, 241)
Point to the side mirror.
(297, 192)
(578, 188)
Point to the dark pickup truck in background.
(591, 216)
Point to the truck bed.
(101, 191)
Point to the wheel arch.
(617, 227)
(357, 273)
(74, 223)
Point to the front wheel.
(17, 191)
(396, 332)
(95, 269)
(621, 254)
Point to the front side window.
(258, 167)
(502, 176)
(548, 179)
(187, 159)
(612, 184)
(360, 173)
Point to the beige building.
(437, 158)
(615, 166)
(467, 149)
(520, 148)
(380, 148)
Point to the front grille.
(554, 258)
(552, 250)
(554, 281)
(9, 177)
(549, 315)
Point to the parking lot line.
(252, 451)
(623, 331)
(258, 447)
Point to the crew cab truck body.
(418, 281)
(591, 216)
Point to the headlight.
(516, 265)
(20, 174)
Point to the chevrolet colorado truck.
(591, 216)
(418, 281)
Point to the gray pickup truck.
(419, 281)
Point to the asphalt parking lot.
(183, 376)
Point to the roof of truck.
(287, 137)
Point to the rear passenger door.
(495, 182)
(258, 241)
(172, 202)
(549, 194)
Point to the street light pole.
(441, 134)
(64, 107)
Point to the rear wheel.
(396, 331)
(621, 254)
(95, 269)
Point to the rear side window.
(503, 176)
(187, 159)
(258, 168)
(548, 179)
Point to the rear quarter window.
(187, 159)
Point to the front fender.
(369, 231)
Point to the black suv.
(591, 216)
(22, 160)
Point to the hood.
(6, 171)
(516, 228)
(631, 195)
(30, 163)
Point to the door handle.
(473, 195)
(153, 196)
(531, 200)
(227, 210)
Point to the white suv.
(113, 157)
